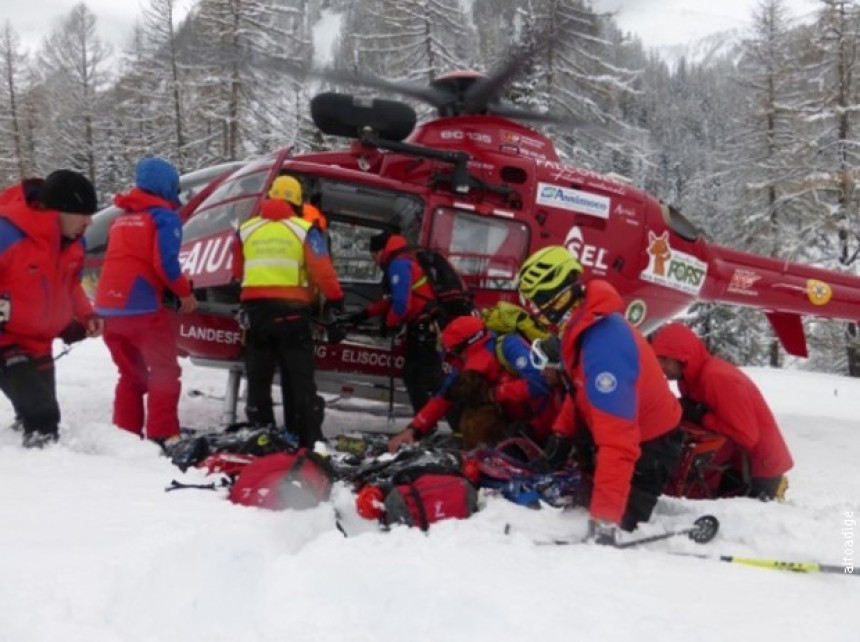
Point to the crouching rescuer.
(619, 418)
(282, 262)
(720, 398)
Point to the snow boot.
(36, 439)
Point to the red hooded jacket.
(142, 257)
(619, 394)
(40, 273)
(736, 407)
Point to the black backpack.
(452, 297)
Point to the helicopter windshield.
(231, 202)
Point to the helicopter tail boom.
(785, 291)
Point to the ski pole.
(776, 565)
(702, 531)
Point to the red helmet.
(463, 332)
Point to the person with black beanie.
(41, 298)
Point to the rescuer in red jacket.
(619, 412)
(517, 386)
(283, 264)
(719, 397)
(41, 257)
(141, 266)
(408, 297)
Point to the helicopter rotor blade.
(484, 91)
(428, 94)
(509, 111)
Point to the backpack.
(417, 488)
(429, 498)
(206, 449)
(298, 479)
(507, 318)
(697, 475)
(452, 297)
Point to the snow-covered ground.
(93, 549)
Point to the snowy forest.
(757, 142)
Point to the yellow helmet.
(546, 273)
(286, 188)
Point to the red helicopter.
(486, 191)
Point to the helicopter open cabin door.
(366, 364)
(487, 250)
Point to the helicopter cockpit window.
(233, 201)
(191, 183)
(243, 183)
(680, 224)
(487, 251)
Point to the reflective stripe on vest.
(274, 252)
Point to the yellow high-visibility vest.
(274, 252)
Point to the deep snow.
(93, 549)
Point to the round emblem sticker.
(605, 382)
(636, 311)
(819, 292)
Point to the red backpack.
(430, 498)
(416, 487)
(299, 479)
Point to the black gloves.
(693, 411)
(336, 331)
(333, 308)
(555, 453)
(333, 319)
(355, 318)
(338, 324)
(74, 332)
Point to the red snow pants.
(143, 347)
